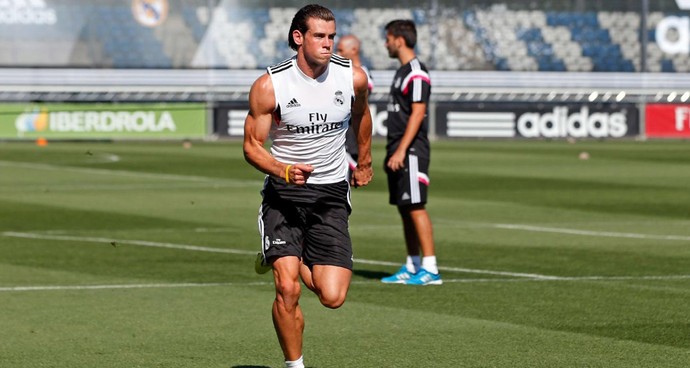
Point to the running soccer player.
(305, 105)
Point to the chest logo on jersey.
(318, 124)
(315, 116)
(292, 103)
(339, 100)
(398, 82)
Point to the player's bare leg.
(410, 232)
(287, 314)
(423, 229)
(329, 283)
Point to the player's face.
(318, 41)
(392, 45)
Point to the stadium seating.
(197, 20)
(127, 43)
(568, 41)
(23, 43)
(456, 48)
(105, 34)
(368, 26)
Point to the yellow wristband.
(287, 173)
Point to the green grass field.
(141, 255)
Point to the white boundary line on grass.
(372, 282)
(125, 286)
(590, 233)
(116, 242)
(125, 173)
(146, 243)
(464, 270)
(577, 278)
(532, 276)
(41, 187)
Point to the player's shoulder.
(340, 61)
(263, 85)
(281, 66)
(360, 78)
(417, 65)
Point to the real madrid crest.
(339, 100)
(150, 13)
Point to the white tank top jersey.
(311, 117)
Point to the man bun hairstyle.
(404, 28)
(299, 21)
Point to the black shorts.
(409, 185)
(309, 222)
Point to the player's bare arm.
(257, 125)
(414, 123)
(361, 121)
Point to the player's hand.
(362, 176)
(396, 161)
(299, 173)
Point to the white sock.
(429, 264)
(299, 363)
(413, 264)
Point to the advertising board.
(103, 121)
(667, 121)
(536, 120)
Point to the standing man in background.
(305, 105)
(348, 47)
(408, 155)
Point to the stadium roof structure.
(210, 85)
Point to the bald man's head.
(348, 47)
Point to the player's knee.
(288, 293)
(332, 300)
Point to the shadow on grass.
(371, 274)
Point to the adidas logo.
(293, 103)
(405, 196)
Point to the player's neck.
(311, 70)
(406, 55)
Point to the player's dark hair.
(299, 22)
(404, 28)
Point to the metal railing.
(128, 85)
